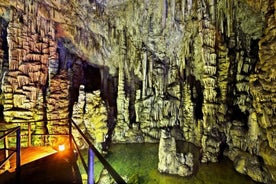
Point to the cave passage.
(92, 78)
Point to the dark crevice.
(44, 92)
(73, 97)
(238, 115)
(232, 73)
(196, 96)
(92, 78)
(109, 95)
(130, 89)
(5, 59)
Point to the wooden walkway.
(28, 155)
(43, 165)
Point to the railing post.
(29, 134)
(6, 146)
(90, 166)
(18, 149)
(70, 135)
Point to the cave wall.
(30, 48)
(39, 76)
(203, 69)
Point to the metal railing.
(30, 134)
(17, 150)
(92, 152)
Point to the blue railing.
(17, 150)
(92, 151)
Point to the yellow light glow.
(61, 147)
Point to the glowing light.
(61, 147)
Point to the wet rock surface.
(170, 161)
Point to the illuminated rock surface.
(205, 70)
(90, 114)
(170, 161)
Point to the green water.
(141, 160)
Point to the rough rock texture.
(36, 74)
(263, 89)
(29, 51)
(169, 160)
(90, 114)
(105, 178)
(203, 68)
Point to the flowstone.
(169, 160)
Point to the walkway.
(43, 165)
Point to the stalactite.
(183, 9)
(46, 27)
(172, 6)
(212, 5)
(144, 69)
(189, 5)
(164, 13)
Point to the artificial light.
(61, 147)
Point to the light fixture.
(61, 147)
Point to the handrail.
(36, 121)
(92, 150)
(17, 149)
(18, 139)
(10, 131)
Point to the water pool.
(140, 161)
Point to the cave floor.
(29, 155)
(43, 165)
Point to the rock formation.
(169, 160)
(90, 114)
(203, 68)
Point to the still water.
(140, 161)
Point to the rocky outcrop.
(35, 74)
(250, 165)
(29, 52)
(169, 160)
(207, 82)
(90, 114)
(262, 88)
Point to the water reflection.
(138, 162)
